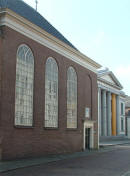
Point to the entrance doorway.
(88, 135)
(87, 138)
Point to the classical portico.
(109, 113)
(109, 104)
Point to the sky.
(98, 28)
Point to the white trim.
(107, 87)
(110, 74)
(41, 37)
(108, 83)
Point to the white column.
(128, 127)
(124, 117)
(108, 113)
(99, 111)
(104, 123)
(118, 124)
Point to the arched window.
(51, 93)
(24, 86)
(71, 98)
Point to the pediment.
(109, 78)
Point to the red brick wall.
(37, 141)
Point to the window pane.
(121, 108)
(122, 124)
(24, 86)
(71, 98)
(51, 93)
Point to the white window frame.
(71, 98)
(51, 93)
(24, 86)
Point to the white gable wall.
(108, 78)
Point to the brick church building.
(48, 89)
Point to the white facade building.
(111, 104)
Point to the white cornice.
(109, 83)
(25, 27)
(110, 88)
(110, 73)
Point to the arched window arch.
(71, 98)
(24, 86)
(51, 93)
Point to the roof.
(26, 11)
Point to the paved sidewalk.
(104, 147)
(12, 165)
(111, 143)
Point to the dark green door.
(87, 138)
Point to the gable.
(108, 78)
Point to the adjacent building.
(127, 115)
(111, 102)
(48, 89)
(127, 105)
